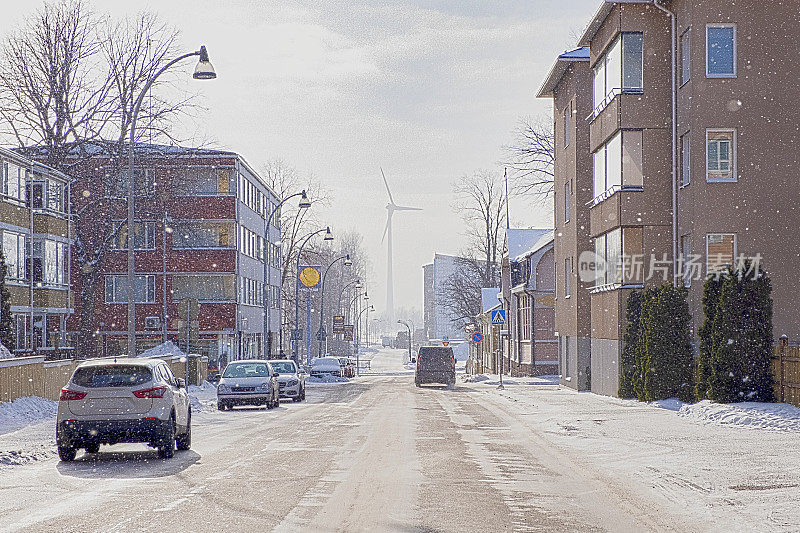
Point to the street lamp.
(341, 293)
(203, 71)
(328, 237)
(358, 326)
(409, 337)
(321, 331)
(304, 204)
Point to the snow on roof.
(559, 68)
(166, 348)
(5, 353)
(489, 298)
(525, 241)
(140, 148)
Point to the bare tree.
(531, 158)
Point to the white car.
(248, 382)
(107, 401)
(291, 381)
(326, 366)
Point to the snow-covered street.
(378, 454)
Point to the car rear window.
(112, 376)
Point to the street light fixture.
(305, 203)
(203, 71)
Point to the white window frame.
(686, 56)
(735, 50)
(567, 121)
(567, 195)
(734, 159)
(149, 280)
(567, 277)
(735, 248)
(686, 159)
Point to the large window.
(619, 257)
(251, 244)
(48, 262)
(204, 287)
(202, 234)
(15, 253)
(524, 316)
(619, 70)
(144, 236)
(686, 160)
(144, 289)
(686, 56)
(251, 292)
(204, 181)
(721, 51)
(618, 164)
(720, 252)
(721, 155)
(13, 181)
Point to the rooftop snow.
(525, 241)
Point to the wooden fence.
(33, 376)
(785, 365)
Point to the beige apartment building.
(683, 124)
(37, 237)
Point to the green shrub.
(711, 290)
(630, 346)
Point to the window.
(686, 254)
(55, 268)
(251, 292)
(251, 244)
(567, 277)
(619, 257)
(524, 317)
(567, 114)
(144, 289)
(204, 181)
(619, 70)
(720, 51)
(686, 160)
(13, 181)
(15, 253)
(55, 196)
(618, 164)
(686, 56)
(721, 155)
(144, 236)
(202, 234)
(720, 252)
(35, 194)
(204, 287)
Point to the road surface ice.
(378, 454)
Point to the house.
(37, 239)
(685, 133)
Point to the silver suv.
(291, 381)
(123, 400)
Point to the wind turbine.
(391, 207)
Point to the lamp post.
(346, 285)
(295, 336)
(203, 71)
(321, 331)
(409, 337)
(304, 204)
(358, 321)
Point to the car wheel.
(303, 395)
(166, 448)
(93, 448)
(277, 400)
(66, 453)
(184, 442)
(417, 383)
(220, 406)
(269, 403)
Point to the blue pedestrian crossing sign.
(498, 317)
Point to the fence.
(34, 376)
(785, 366)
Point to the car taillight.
(67, 395)
(155, 392)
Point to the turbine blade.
(406, 208)
(385, 229)
(391, 200)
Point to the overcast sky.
(430, 90)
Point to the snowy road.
(378, 454)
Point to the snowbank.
(24, 411)
(477, 378)
(203, 397)
(5, 353)
(326, 379)
(755, 415)
(166, 348)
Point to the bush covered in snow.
(740, 337)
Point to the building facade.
(37, 238)
(199, 235)
(440, 323)
(691, 153)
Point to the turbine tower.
(391, 207)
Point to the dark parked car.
(435, 364)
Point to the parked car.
(435, 364)
(108, 401)
(291, 380)
(326, 366)
(248, 382)
(348, 367)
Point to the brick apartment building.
(37, 238)
(687, 172)
(199, 234)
